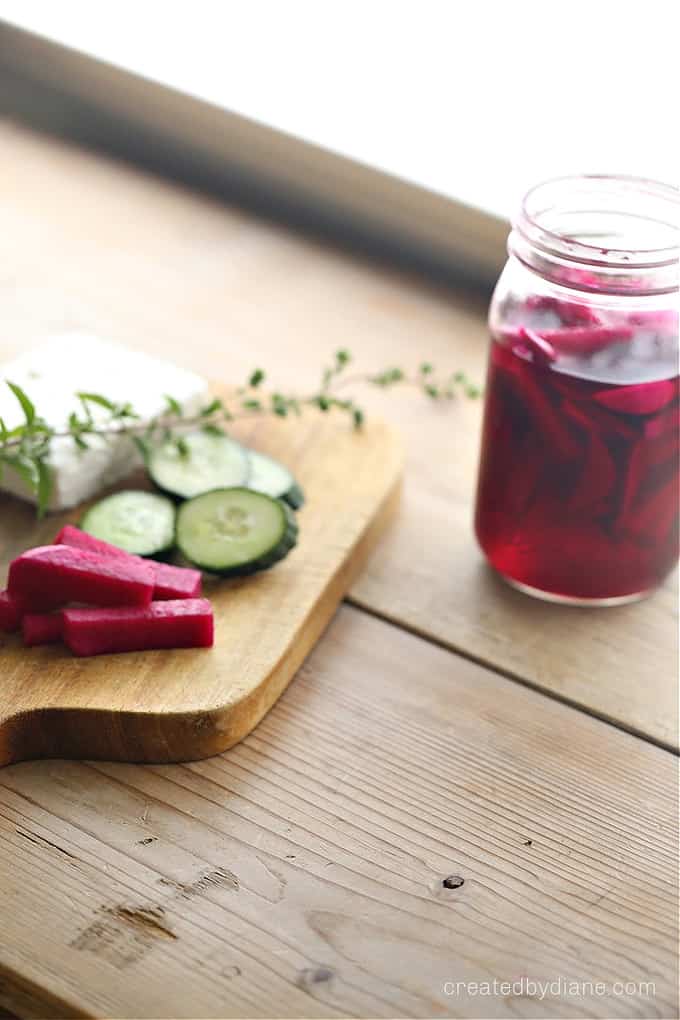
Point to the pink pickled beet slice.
(183, 623)
(584, 340)
(65, 575)
(12, 608)
(581, 340)
(653, 519)
(548, 420)
(579, 393)
(570, 312)
(540, 349)
(661, 465)
(170, 582)
(598, 477)
(640, 398)
(610, 424)
(663, 424)
(41, 628)
(522, 484)
(633, 479)
(77, 539)
(664, 321)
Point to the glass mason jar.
(578, 481)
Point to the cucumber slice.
(273, 479)
(211, 462)
(142, 523)
(234, 532)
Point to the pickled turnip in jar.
(578, 494)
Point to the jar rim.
(564, 246)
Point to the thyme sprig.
(25, 448)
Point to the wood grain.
(182, 705)
(302, 874)
(89, 243)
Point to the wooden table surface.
(461, 786)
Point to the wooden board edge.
(29, 734)
(26, 998)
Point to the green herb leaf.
(44, 488)
(142, 446)
(279, 405)
(256, 378)
(96, 398)
(173, 405)
(125, 411)
(27, 405)
(211, 408)
(24, 467)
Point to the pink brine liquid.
(578, 485)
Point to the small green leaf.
(96, 398)
(256, 378)
(252, 405)
(25, 468)
(173, 405)
(358, 417)
(426, 368)
(211, 408)
(342, 358)
(182, 447)
(27, 405)
(142, 446)
(81, 443)
(213, 430)
(279, 405)
(44, 490)
(125, 411)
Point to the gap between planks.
(507, 674)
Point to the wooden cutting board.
(181, 705)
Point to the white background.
(475, 99)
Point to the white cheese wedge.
(54, 372)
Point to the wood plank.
(305, 872)
(186, 704)
(93, 244)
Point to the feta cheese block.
(52, 373)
